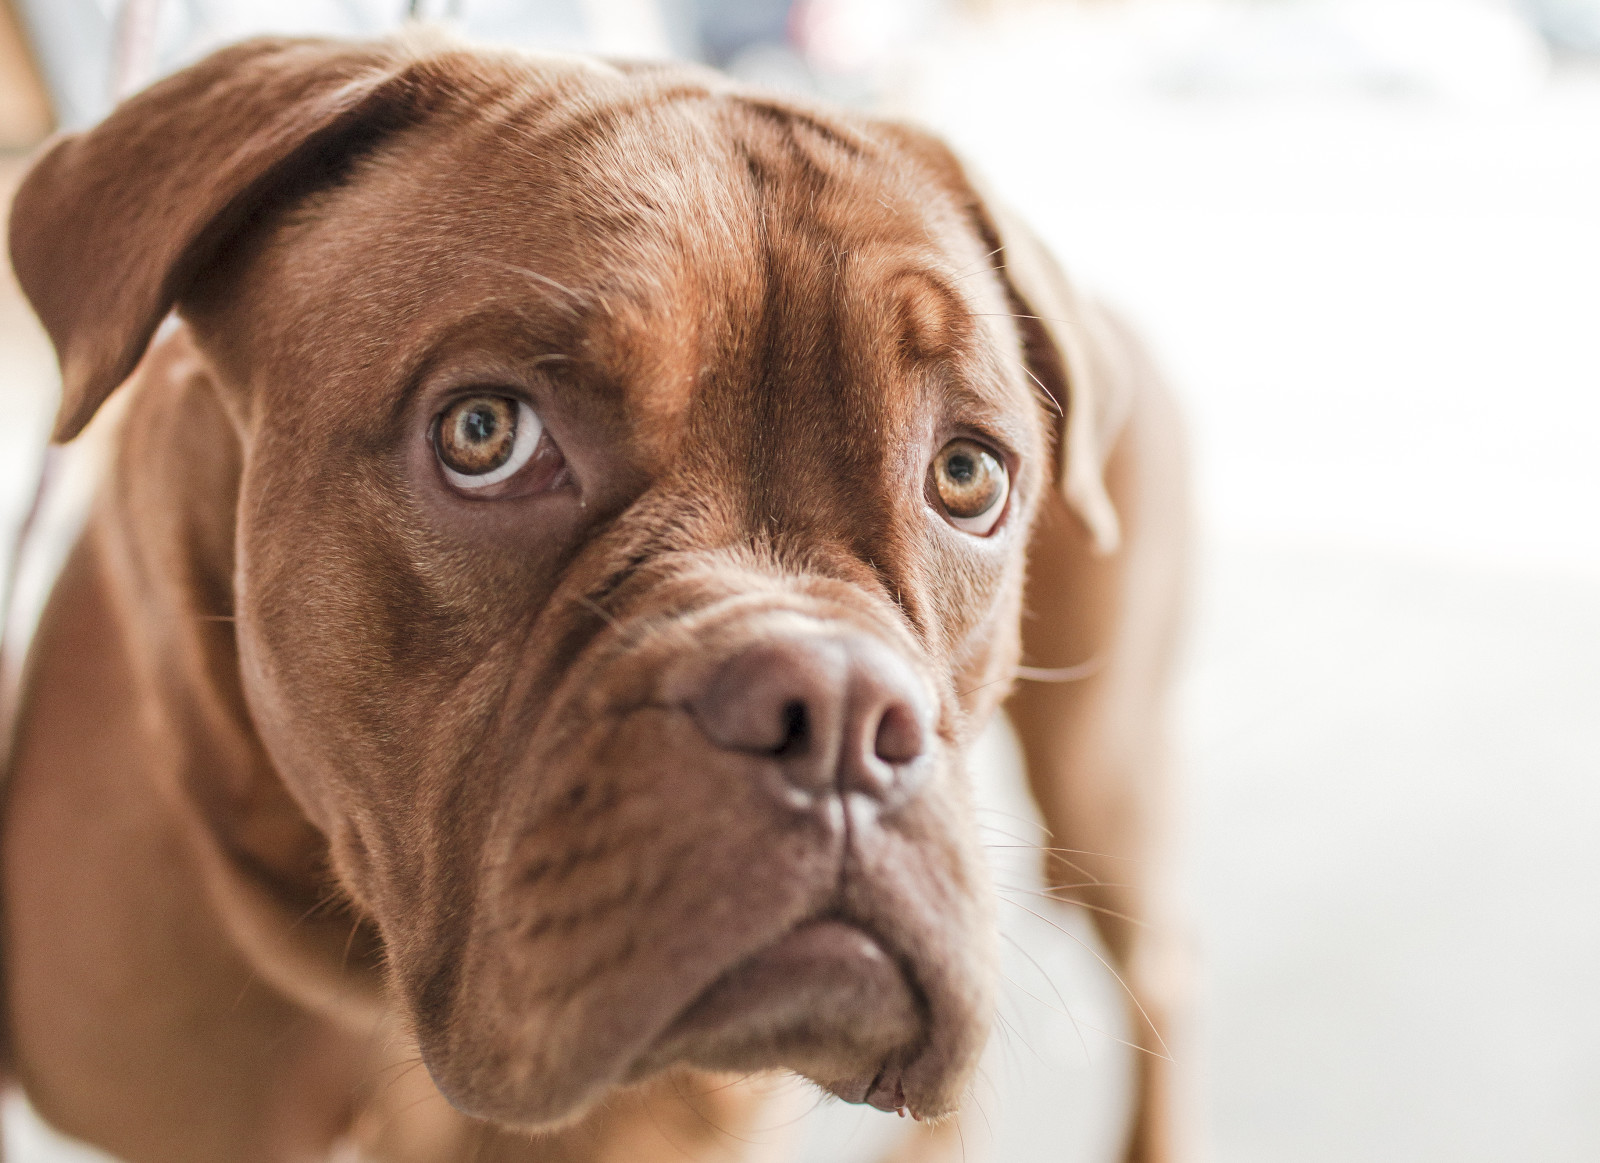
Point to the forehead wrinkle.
(682, 288)
(823, 452)
(644, 228)
(816, 217)
(933, 319)
(794, 114)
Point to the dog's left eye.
(483, 440)
(971, 485)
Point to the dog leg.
(1096, 748)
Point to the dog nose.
(837, 714)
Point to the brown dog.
(546, 585)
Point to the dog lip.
(826, 1000)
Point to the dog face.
(635, 477)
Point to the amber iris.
(969, 479)
(477, 434)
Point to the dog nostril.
(901, 736)
(841, 713)
(779, 699)
(796, 731)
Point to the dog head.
(630, 480)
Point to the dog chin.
(826, 1000)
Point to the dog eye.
(971, 484)
(483, 440)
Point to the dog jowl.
(578, 522)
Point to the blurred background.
(1364, 238)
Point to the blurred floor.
(1380, 307)
(1392, 767)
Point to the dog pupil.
(961, 468)
(480, 425)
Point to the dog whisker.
(1021, 819)
(1011, 1031)
(1041, 674)
(648, 1102)
(701, 1115)
(1076, 673)
(400, 1065)
(977, 1105)
(1019, 315)
(1109, 1036)
(961, 271)
(1080, 1026)
(349, 944)
(1036, 999)
(1008, 1037)
(1078, 868)
(1165, 1054)
(576, 300)
(384, 1078)
(1070, 851)
(1050, 981)
(317, 906)
(1021, 841)
(1101, 909)
(1046, 394)
(817, 1102)
(983, 686)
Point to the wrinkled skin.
(481, 722)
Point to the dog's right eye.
(971, 485)
(484, 440)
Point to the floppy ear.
(111, 225)
(1073, 348)
(1070, 344)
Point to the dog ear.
(111, 225)
(1070, 345)
(1073, 349)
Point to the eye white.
(529, 429)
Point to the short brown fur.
(322, 767)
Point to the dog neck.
(165, 528)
